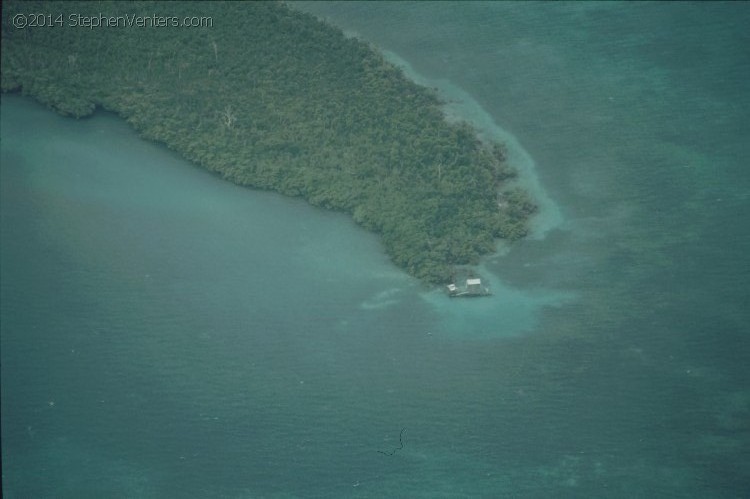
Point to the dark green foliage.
(274, 99)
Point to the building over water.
(472, 288)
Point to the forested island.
(271, 98)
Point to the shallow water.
(167, 334)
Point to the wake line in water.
(400, 442)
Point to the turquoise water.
(167, 334)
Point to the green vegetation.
(274, 99)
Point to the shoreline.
(459, 106)
(342, 127)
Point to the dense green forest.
(275, 99)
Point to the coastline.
(359, 136)
(458, 106)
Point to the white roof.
(452, 287)
(470, 282)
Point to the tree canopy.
(275, 99)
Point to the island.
(275, 99)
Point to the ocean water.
(166, 334)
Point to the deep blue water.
(166, 334)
